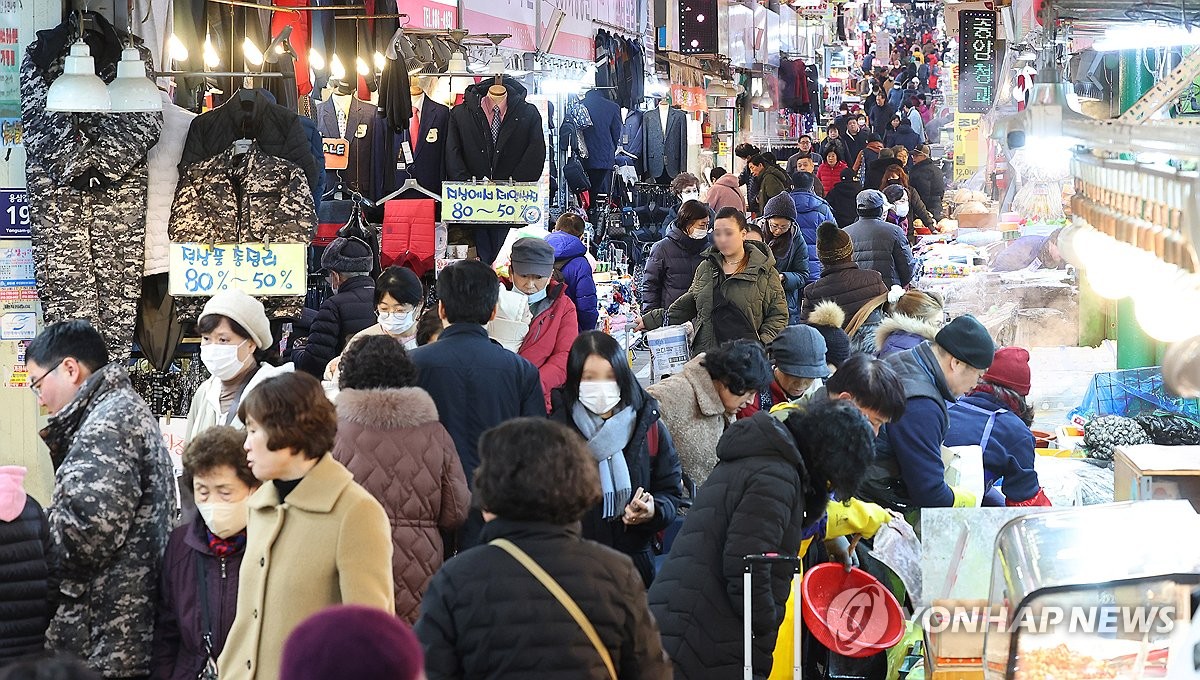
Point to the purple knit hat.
(352, 642)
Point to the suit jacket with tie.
(429, 149)
(665, 152)
(361, 121)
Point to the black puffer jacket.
(753, 502)
(882, 246)
(927, 180)
(660, 475)
(843, 201)
(25, 607)
(671, 268)
(518, 154)
(486, 616)
(876, 170)
(845, 284)
(277, 131)
(341, 316)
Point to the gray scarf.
(607, 440)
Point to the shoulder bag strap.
(865, 311)
(563, 598)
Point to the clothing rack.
(268, 8)
(626, 33)
(219, 74)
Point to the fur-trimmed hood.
(389, 409)
(903, 324)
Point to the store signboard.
(968, 151)
(517, 18)
(14, 213)
(436, 14)
(201, 269)
(491, 203)
(689, 98)
(10, 73)
(979, 53)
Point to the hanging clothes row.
(620, 63)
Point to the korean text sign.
(980, 55)
(201, 269)
(491, 203)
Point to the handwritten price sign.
(200, 269)
(491, 203)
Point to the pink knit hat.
(12, 492)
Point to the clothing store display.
(620, 64)
(604, 136)
(793, 85)
(634, 142)
(163, 169)
(665, 143)
(358, 129)
(250, 197)
(87, 189)
(253, 114)
(395, 100)
(517, 151)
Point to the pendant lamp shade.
(78, 89)
(131, 91)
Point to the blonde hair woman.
(916, 316)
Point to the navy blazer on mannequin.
(604, 135)
(665, 152)
(429, 149)
(361, 121)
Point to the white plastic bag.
(964, 469)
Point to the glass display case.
(1095, 592)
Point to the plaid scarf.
(224, 547)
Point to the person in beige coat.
(700, 402)
(315, 537)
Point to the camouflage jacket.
(86, 177)
(110, 516)
(244, 197)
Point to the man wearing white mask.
(198, 593)
(640, 475)
(349, 262)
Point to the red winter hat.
(1010, 369)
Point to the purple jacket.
(178, 633)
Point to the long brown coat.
(392, 442)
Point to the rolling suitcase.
(747, 610)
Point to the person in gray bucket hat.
(797, 356)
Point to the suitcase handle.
(771, 558)
(747, 610)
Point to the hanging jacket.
(549, 339)
(665, 152)
(393, 444)
(517, 154)
(25, 597)
(86, 176)
(252, 197)
(253, 114)
(486, 616)
(179, 652)
(361, 136)
(756, 501)
(671, 268)
(755, 294)
(846, 285)
(657, 471)
(350, 310)
(771, 183)
(163, 172)
(1007, 442)
(843, 202)
(928, 181)
(811, 211)
(604, 135)
(409, 234)
(570, 258)
(724, 193)
(633, 141)
(429, 151)
(899, 332)
(110, 518)
(883, 247)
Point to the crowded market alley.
(604, 339)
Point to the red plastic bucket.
(852, 614)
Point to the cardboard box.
(978, 220)
(1151, 472)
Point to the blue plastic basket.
(1132, 393)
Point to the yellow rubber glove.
(964, 498)
(859, 517)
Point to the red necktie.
(414, 129)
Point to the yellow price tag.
(200, 269)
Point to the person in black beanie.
(350, 310)
(909, 473)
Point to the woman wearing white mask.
(399, 297)
(555, 323)
(235, 346)
(203, 557)
(639, 470)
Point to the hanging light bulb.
(78, 89)
(176, 48)
(336, 69)
(131, 91)
(1165, 312)
(254, 56)
(1108, 258)
(380, 61)
(315, 60)
(360, 65)
(211, 58)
